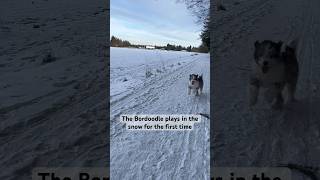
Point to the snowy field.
(52, 114)
(158, 154)
(262, 136)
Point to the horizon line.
(149, 44)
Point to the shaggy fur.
(195, 84)
(275, 67)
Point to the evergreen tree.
(189, 48)
(205, 34)
(200, 8)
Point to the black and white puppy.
(195, 84)
(275, 66)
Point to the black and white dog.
(275, 66)
(195, 84)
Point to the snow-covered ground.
(52, 113)
(264, 137)
(158, 154)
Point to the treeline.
(117, 42)
(201, 48)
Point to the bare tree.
(200, 8)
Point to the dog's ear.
(256, 44)
(279, 44)
(279, 47)
(290, 51)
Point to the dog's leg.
(291, 87)
(189, 90)
(279, 102)
(279, 99)
(253, 91)
(197, 91)
(292, 73)
(200, 91)
(270, 94)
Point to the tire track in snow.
(173, 148)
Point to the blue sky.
(154, 22)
